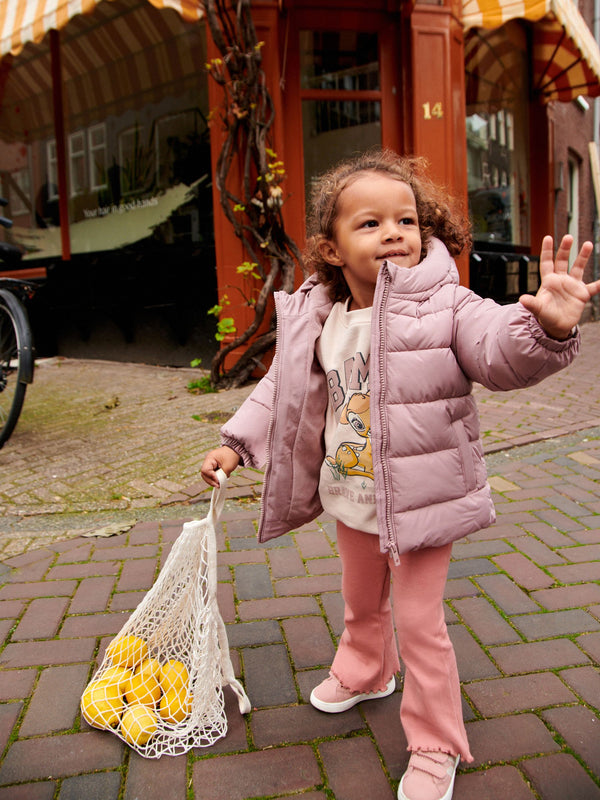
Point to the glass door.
(340, 92)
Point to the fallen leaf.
(113, 529)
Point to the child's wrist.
(560, 335)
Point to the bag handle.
(217, 500)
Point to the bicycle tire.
(16, 362)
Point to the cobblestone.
(522, 599)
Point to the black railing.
(503, 275)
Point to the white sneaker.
(429, 776)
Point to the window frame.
(92, 150)
(76, 191)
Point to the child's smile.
(376, 220)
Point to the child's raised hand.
(561, 298)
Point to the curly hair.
(438, 213)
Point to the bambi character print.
(354, 457)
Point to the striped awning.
(565, 55)
(23, 21)
(118, 55)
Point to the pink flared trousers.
(367, 656)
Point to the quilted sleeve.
(503, 346)
(246, 432)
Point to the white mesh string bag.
(160, 684)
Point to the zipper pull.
(393, 549)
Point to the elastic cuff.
(540, 335)
(245, 457)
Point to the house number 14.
(431, 111)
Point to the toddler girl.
(367, 413)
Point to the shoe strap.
(431, 762)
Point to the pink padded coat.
(430, 339)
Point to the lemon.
(138, 725)
(175, 705)
(127, 651)
(142, 690)
(150, 667)
(102, 703)
(173, 675)
(117, 675)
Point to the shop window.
(136, 138)
(497, 137)
(341, 96)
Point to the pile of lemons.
(135, 691)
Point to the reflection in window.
(136, 161)
(573, 204)
(137, 141)
(51, 171)
(177, 146)
(334, 126)
(497, 135)
(77, 171)
(331, 133)
(97, 151)
(335, 115)
(19, 195)
(346, 60)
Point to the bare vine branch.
(247, 115)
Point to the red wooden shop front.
(343, 77)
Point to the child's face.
(376, 220)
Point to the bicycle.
(16, 340)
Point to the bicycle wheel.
(16, 362)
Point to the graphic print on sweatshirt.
(349, 452)
(353, 456)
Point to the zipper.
(267, 475)
(392, 546)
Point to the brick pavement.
(523, 608)
(103, 441)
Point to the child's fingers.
(593, 288)
(547, 256)
(222, 458)
(581, 261)
(208, 470)
(562, 254)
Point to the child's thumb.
(530, 302)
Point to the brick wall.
(573, 130)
